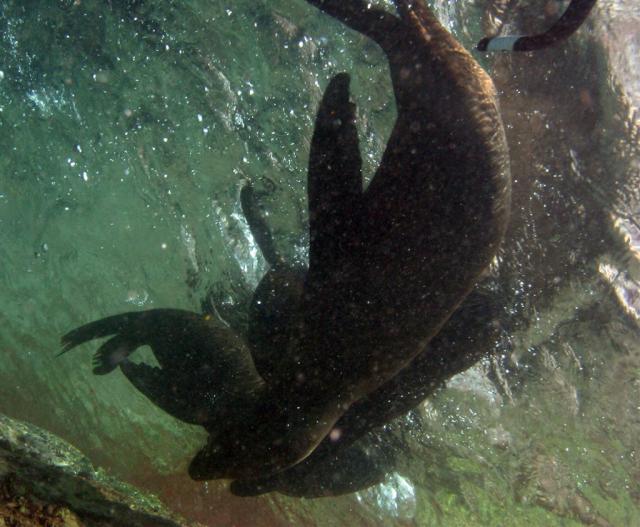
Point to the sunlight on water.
(394, 498)
(627, 290)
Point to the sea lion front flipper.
(258, 226)
(334, 182)
(161, 389)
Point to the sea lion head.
(241, 456)
(264, 434)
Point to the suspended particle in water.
(335, 434)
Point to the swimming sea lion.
(468, 335)
(388, 265)
(567, 24)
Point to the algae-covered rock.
(46, 481)
(544, 481)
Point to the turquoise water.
(126, 132)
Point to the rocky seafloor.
(45, 481)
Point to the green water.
(126, 131)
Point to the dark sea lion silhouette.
(274, 311)
(205, 369)
(567, 24)
(388, 266)
(336, 466)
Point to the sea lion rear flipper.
(159, 387)
(97, 329)
(112, 353)
(334, 182)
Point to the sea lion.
(567, 24)
(388, 265)
(469, 334)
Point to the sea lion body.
(385, 275)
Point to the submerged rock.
(46, 481)
(544, 481)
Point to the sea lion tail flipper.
(334, 180)
(567, 24)
(112, 354)
(258, 225)
(97, 329)
(372, 22)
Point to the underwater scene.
(319, 263)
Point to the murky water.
(126, 131)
